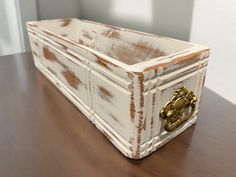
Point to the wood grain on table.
(42, 134)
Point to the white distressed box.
(140, 90)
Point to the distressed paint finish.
(119, 78)
(71, 78)
(48, 55)
(65, 22)
(104, 93)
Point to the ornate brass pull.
(178, 109)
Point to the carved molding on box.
(120, 79)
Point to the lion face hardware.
(178, 109)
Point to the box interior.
(127, 46)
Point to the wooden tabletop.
(43, 135)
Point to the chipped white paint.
(119, 78)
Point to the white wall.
(27, 12)
(54, 9)
(163, 17)
(214, 24)
(13, 15)
(10, 36)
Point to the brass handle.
(178, 109)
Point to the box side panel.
(100, 94)
(73, 75)
(76, 50)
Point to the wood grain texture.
(114, 95)
(127, 47)
(36, 140)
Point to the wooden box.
(140, 90)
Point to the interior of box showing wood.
(126, 46)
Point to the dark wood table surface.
(43, 135)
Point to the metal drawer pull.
(178, 109)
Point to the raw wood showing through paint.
(121, 95)
(105, 94)
(71, 78)
(49, 55)
(65, 22)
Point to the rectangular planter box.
(140, 90)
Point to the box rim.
(140, 67)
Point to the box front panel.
(160, 91)
(166, 91)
